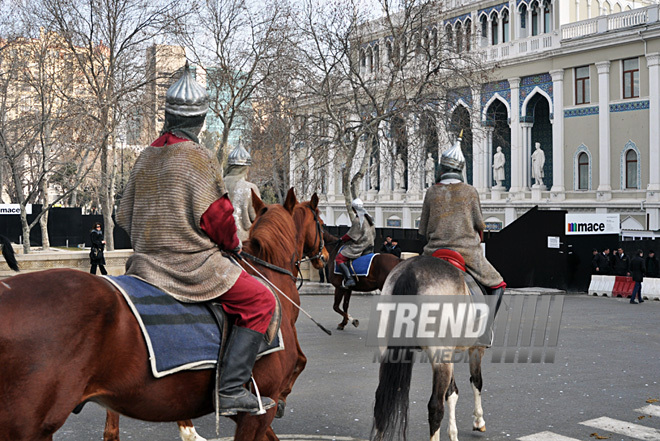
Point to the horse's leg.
(442, 379)
(270, 435)
(111, 430)
(452, 397)
(301, 362)
(340, 293)
(476, 354)
(187, 431)
(347, 299)
(254, 428)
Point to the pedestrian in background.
(622, 264)
(387, 245)
(637, 268)
(652, 265)
(395, 249)
(96, 254)
(594, 261)
(602, 262)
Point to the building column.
(516, 142)
(488, 157)
(385, 159)
(604, 192)
(653, 189)
(557, 190)
(489, 31)
(526, 150)
(479, 159)
(331, 177)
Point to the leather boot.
(486, 339)
(346, 272)
(237, 365)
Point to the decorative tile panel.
(528, 84)
(500, 87)
(454, 95)
(581, 111)
(627, 107)
(460, 18)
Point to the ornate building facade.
(578, 78)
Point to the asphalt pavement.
(606, 368)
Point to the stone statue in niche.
(499, 160)
(538, 161)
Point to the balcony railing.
(612, 22)
(523, 46)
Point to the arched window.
(376, 64)
(523, 20)
(388, 47)
(505, 26)
(434, 40)
(370, 60)
(495, 29)
(363, 59)
(631, 169)
(484, 30)
(468, 35)
(459, 37)
(449, 33)
(583, 171)
(535, 18)
(547, 17)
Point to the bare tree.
(107, 40)
(240, 43)
(365, 72)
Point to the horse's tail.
(8, 253)
(392, 394)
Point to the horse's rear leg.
(476, 354)
(340, 294)
(347, 299)
(254, 428)
(187, 431)
(444, 388)
(111, 430)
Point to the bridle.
(319, 237)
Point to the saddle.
(455, 258)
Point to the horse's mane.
(273, 236)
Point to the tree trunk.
(25, 227)
(43, 221)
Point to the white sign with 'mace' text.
(14, 209)
(592, 224)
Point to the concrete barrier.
(601, 285)
(623, 287)
(38, 261)
(651, 288)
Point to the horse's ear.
(257, 203)
(314, 202)
(290, 201)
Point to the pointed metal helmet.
(453, 158)
(239, 156)
(186, 97)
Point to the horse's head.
(309, 225)
(272, 236)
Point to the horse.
(380, 268)
(68, 337)
(309, 227)
(424, 276)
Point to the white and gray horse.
(424, 276)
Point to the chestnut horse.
(68, 337)
(380, 268)
(306, 215)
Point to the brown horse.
(68, 337)
(309, 227)
(380, 268)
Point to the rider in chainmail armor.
(240, 190)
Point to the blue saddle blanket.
(179, 336)
(361, 265)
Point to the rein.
(275, 268)
(319, 236)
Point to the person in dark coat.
(387, 245)
(395, 248)
(594, 261)
(96, 254)
(602, 263)
(637, 269)
(622, 264)
(652, 265)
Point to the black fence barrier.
(66, 227)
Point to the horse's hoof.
(280, 409)
(356, 322)
(479, 429)
(340, 327)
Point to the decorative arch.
(630, 146)
(459, 102)
(537, 89)
(495, 97)
(576, 172)
(394, 222)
